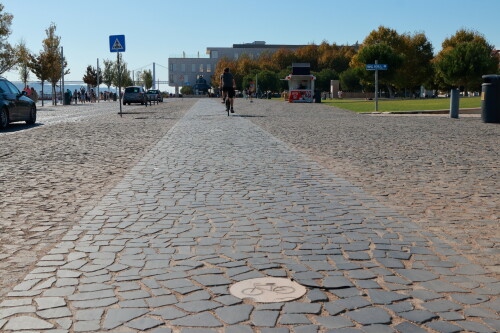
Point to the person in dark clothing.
(228, 86)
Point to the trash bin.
(67, 98)
(490, 99)
(317, 96)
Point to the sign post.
(117, 44)
(376, 67)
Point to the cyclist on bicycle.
(228, 85)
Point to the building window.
(183, 67)
(171, 78)
(174, 67)
(215, 54)
(186, 79)
(193, 68)
(209, 68)
(201, 68)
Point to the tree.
(385, 55)
(147, 78)
(350, 79)
(7, 52)
(323, 79)
(308, 54)
(52, 58)
(267, 81)
(284, 58)
(108, 73)
(465, 57)
(38, 68)
(90, 77)
(122, 74)
(187, 90)
(219, 69)
(23, 57)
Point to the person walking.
(228, 86)
(33, 95)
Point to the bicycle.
(260, 288)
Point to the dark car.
(155, 95)
(15, 105)
(134, 94)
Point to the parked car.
(155, 95)
(134, 94)
(15, 105)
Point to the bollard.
(454, 103)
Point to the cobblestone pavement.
(442, 173)
(218, 200)
(52, 173)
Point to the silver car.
(134, 94)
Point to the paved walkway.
(217, 201)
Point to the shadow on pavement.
(19, 127)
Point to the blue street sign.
(117, 43)
(372, 67)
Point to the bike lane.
(219, 201)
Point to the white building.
(183, 71)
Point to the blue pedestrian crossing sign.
(117, 43)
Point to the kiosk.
(301, 84)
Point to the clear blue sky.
(157, 29)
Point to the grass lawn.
(358, 105)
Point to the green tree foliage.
(52, 58)
(267, 81)
(90, 76)
(108, 73)
(465, 57)
(385, 55)
(23, 57)
(121, 75)
(350, 79)
(323, 79)
(7, 52)
(38, 68)
(147, 78)
(187, 90)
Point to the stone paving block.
(204, 319)
(406, 327)
(378, 329)
(473, 326)
(293, 319)
(441, 306)
(27, 323)
(298, 307)
(443, 326)
(234, 314)
(370, 316)
(418, 316)
(334, 322)
(7, 312)
(117, 317)
(385, 297)
(238, 329)
(86, 326)
(198, 306)
(145, 323)
(262, 318)
(336, 282)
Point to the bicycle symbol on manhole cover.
(268, 290)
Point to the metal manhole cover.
(268, 290)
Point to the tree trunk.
(42, 92)
(54, 97)
(391, 91)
